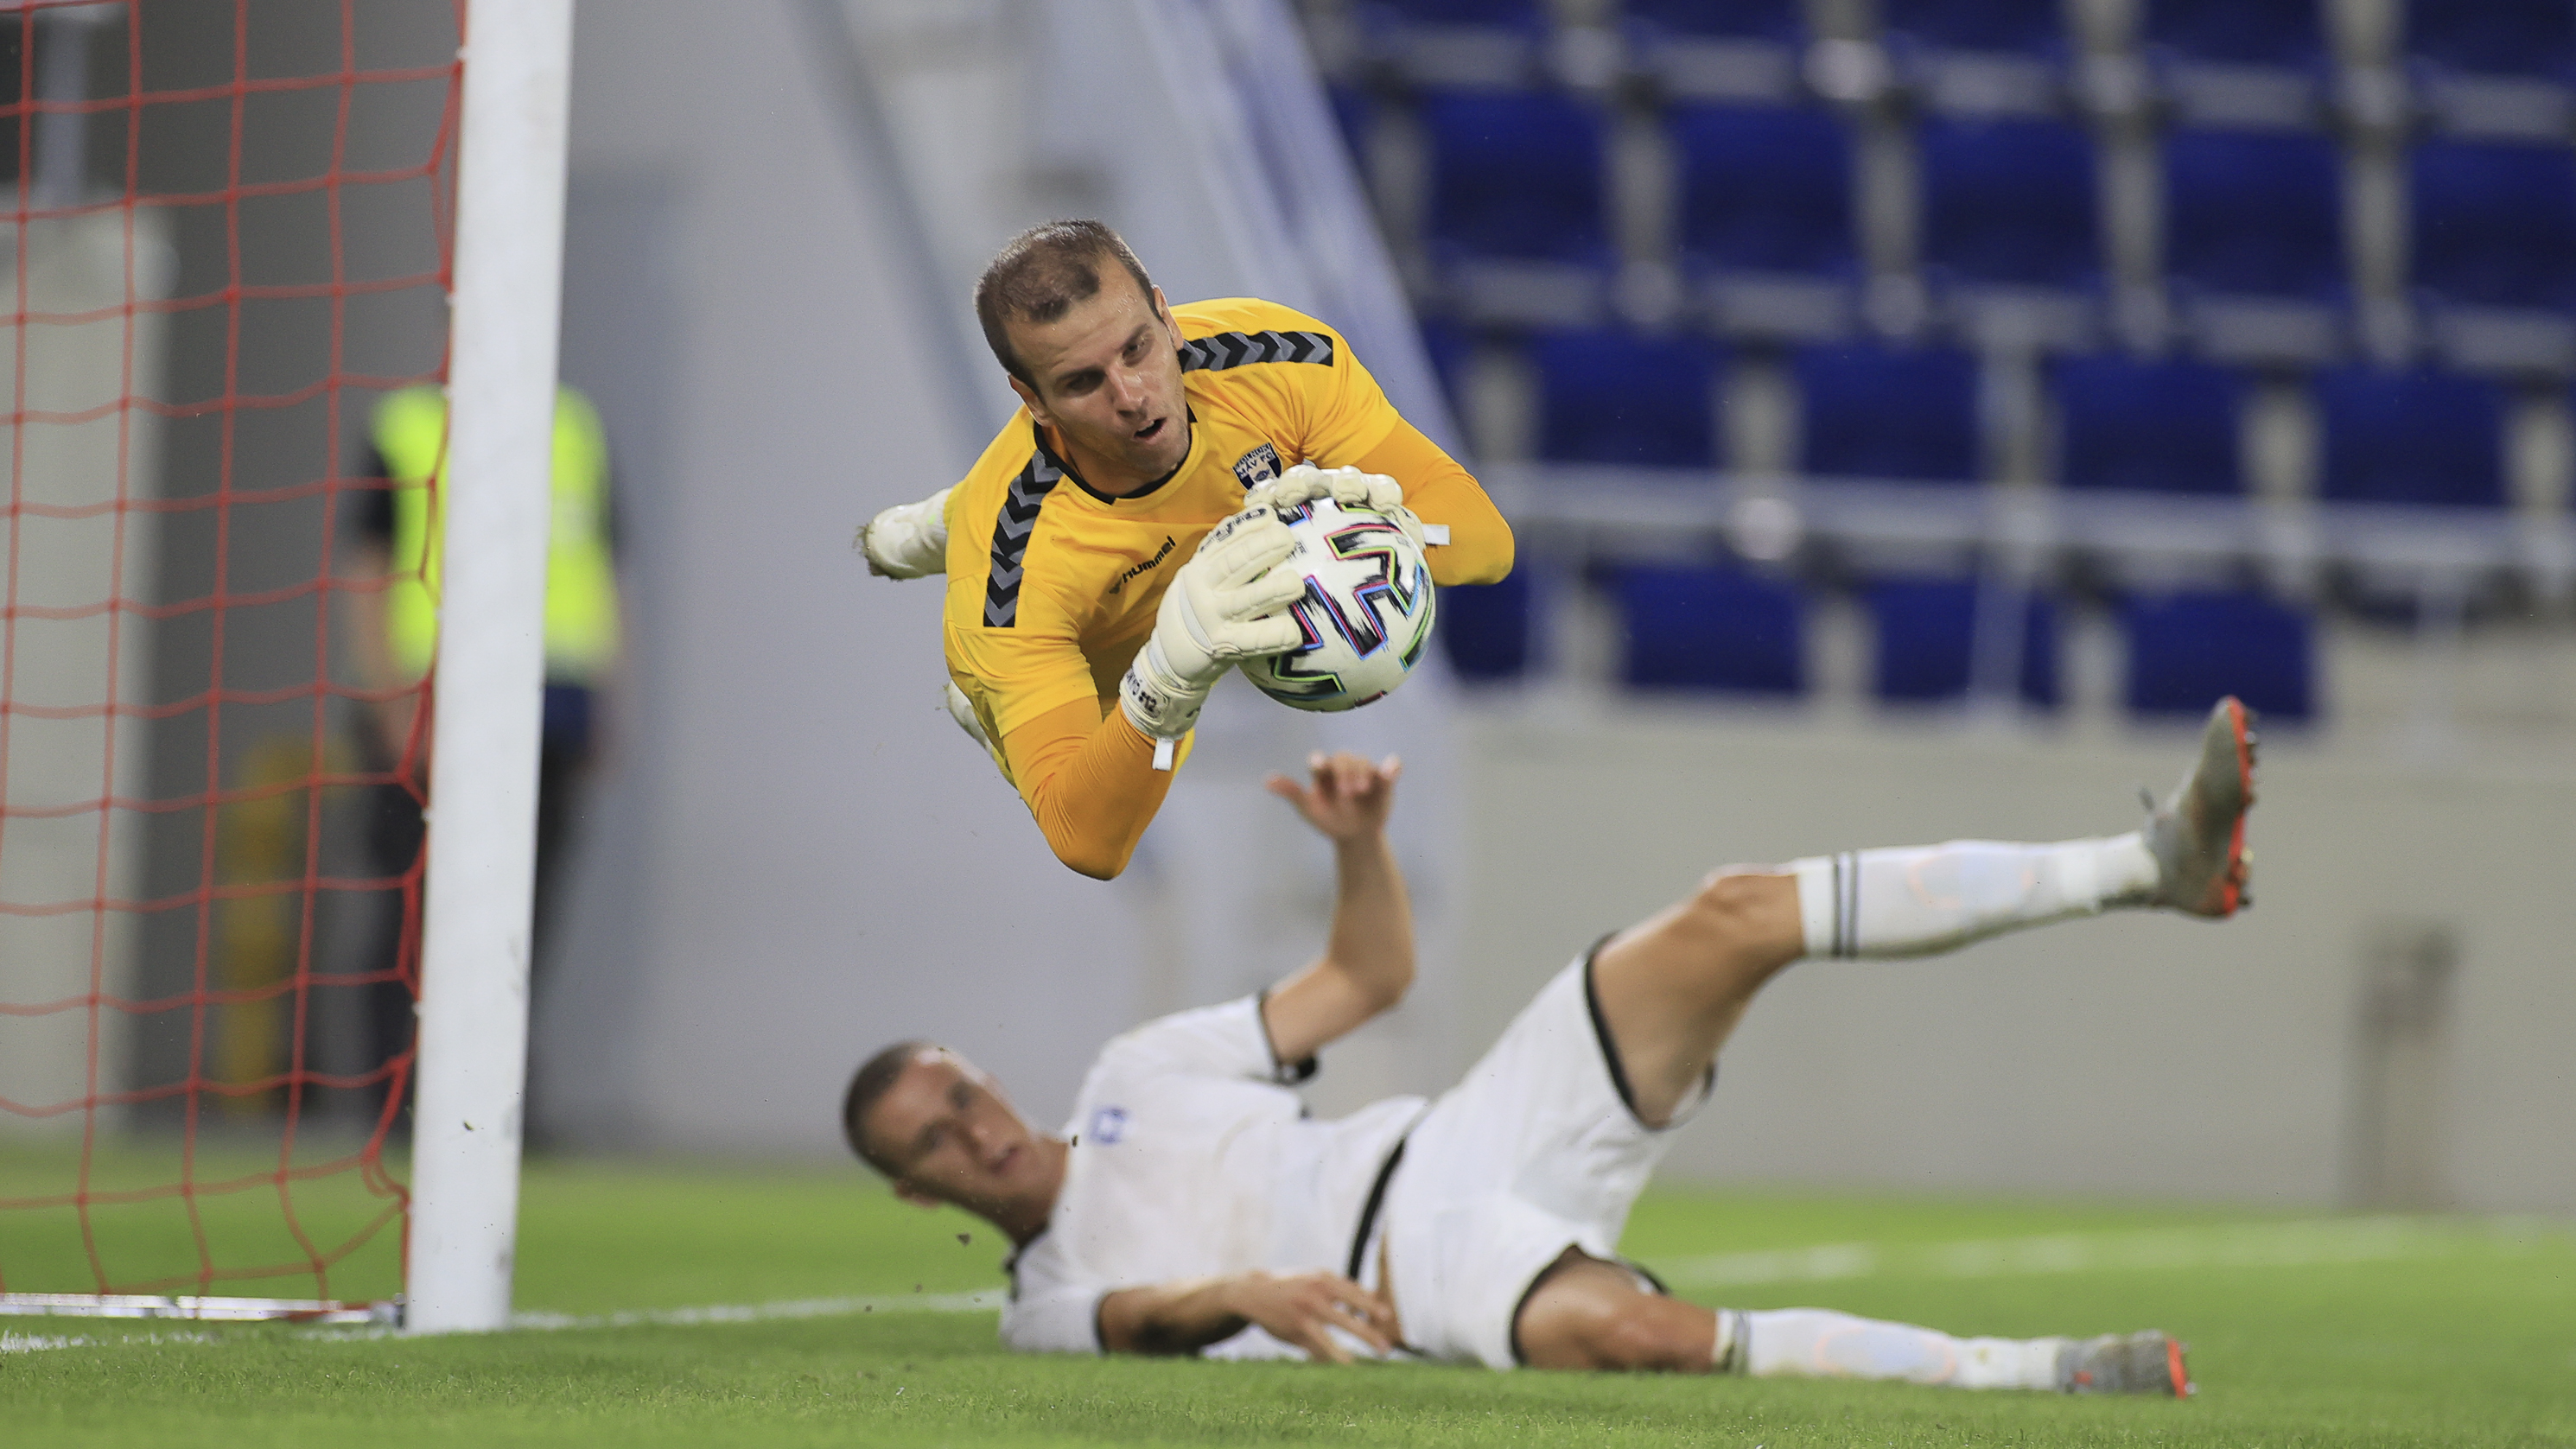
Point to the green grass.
(2435, 1332)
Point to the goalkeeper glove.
(1221, 607)
(1348, 487)
(908, 541)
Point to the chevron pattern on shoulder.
(1011, 529)
(1222, 350)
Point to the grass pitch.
(2303, 1332)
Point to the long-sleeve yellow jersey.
(1052, 587)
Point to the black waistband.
(1376, 1200)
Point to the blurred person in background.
(1085, 624)
(397, 544)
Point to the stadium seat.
(1748, 19)
(2495, 225)
(2166, 425)
(1516, 175)
(1451, 349)
(1926, 648)
(1763, 189)
(1615, 397)
(1484, 43)
(2188, 648)
(2009, 201)
(1869, 411)
(2254, 213)
(1487, 627)
(1462, 12)
(2237, 32)
(2027, 25)
(2411, 437)
(2494, 37)
(1704, 627)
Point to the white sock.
(1917, 900)
(1821, 1343)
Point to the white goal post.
(503, 328)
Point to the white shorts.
(1536, 1151)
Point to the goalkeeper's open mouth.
(1150, 431)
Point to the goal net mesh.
(228, 235)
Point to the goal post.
(236, 940)
(491, 664)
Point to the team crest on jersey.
(1259, 464)
(1108, 1125)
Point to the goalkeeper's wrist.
(1158, 701)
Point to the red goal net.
(228, 235)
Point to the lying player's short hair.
(873, 1078)
(1041, 274)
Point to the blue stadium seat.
(1615, 397)
(1749, 19)
(2494, 37)
(1517, 175)
(1702, 627)
(2238, 32)
(1450, 349)
(2495, 225)
(2028, 25)
(2411, 437)
(1514, 13)
(2167, 425)
(1487, 627)
(1926, 648)
(1868, 411)
(2254, 212)
(1764, 189)
(2188, 648)
(2009, 201)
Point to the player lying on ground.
(1086, 624)
(1191, 1205)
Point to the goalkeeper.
(1191, 1205)
(1107, 561)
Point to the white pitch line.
(984, 1300)
(2306, 1243)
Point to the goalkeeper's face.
(950, 1135)
(1108, 377)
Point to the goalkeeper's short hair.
(867, 1086)
(1041, 273)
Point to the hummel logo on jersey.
(1260, 463)
(1160, 554)
(1107, 1126)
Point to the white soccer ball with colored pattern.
(1366, 615)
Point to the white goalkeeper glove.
(909, 540)
(1346, 486)
(1220, 608)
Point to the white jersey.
(1193, 1157)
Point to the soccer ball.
(1366, 615)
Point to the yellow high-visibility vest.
(581, 581)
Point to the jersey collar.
(1065, 466)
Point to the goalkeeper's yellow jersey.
(1052, 587)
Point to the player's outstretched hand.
(1305, 483)
(1348, 487)
(1349, 796)
(1303, 1308)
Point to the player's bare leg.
(1671, 990)
(1588, 1314)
